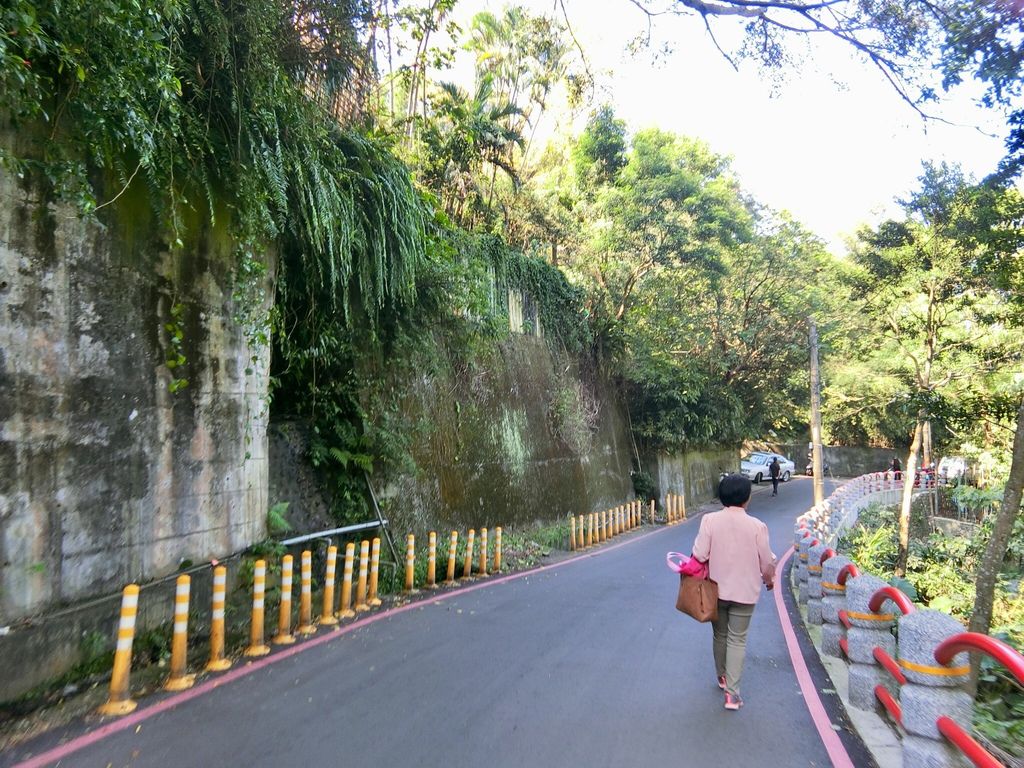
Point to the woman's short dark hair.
(734, 490)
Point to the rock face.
(111, 468)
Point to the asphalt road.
(584, 664)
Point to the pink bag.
(686, 565)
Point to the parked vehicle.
(825, 468)
(755, 466)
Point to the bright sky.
(834, 144)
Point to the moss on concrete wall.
(521, 435)
(107, 475)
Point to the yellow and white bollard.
(580, 541)
(590, 530)
(572, 533)
(179, 680)
(119, 702)
(653, 511)
(284, 634)
(432, 560)
(682, 504)
(453, 543)
(364, 564)
(467, 567)
(603, 529)
(497, 549)
(306, 626)
(410, 564)
(327, 617)
(345, 607)
(483, 552)
(668, 508)
(257, 647)
(373, 601)
(217, 662)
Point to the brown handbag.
(698, 598)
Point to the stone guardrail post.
(824, 528)
(802, 549)
(931, 690)
(868, 631)
(814, 570)
(833, 600)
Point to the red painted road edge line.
(87, 739)
(833, 744)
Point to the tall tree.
(938, 325)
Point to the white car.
(755, 466)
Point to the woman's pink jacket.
(735, 546)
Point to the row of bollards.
(119, 701)
(587, 530)
(675, 508)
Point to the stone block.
(925, 753)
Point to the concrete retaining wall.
(694, 474)
(106, 475)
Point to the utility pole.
(816, 462)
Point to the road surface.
(586, 663)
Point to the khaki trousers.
(730, 641)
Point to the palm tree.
(466, 133)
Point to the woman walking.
(735, 546)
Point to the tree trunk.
(995, 550)
(926, 444)
(909, 473)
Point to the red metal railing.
(850, 570)
(891, 593)
(996, 649)
(887, 662)
(990, 646)
(944, 653)
(962, 740)
(890, 665)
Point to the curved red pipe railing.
(826, 555)
(845, 646)
(844, 619)
(890, 665)
(894, 709)
(847, 570)
(891, 593)
(990, 646)
(974, 752)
